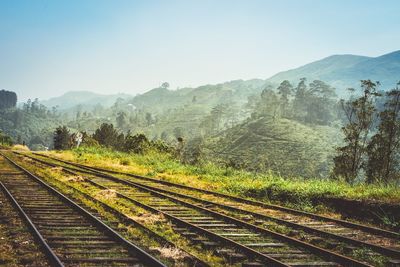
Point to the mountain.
(344, 71)
(85, 98)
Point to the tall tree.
(62, 138)
(269, 104)
(107, 135)
(320, 103)
(300, 100)
(384, 148)
(285, 90)
(8, 99)
(121, 119)
(360, 115)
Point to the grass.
(227, 180)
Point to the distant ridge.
(344, 71)
(340, 71)
(86, 98)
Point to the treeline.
(108, 136)
(8, 99)
(313, 103)
(372, 137)
(31, 124)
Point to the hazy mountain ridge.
(85, 98)
(340, 71)
(344, 71)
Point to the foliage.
(137, 143)
(8, 99)
(384, 148)
(282, 146)
(5, 140)
(108, 136)
(193, 151)
(359, 113)
(62, 138)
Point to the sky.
(49, 47)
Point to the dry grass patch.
(20, 148)
(148, 218)
(106, 194)
(57, 169)
(75, 178)
(170, 253)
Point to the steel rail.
(244, 200)
(135, 250)
(253, 254)
(376, 248)
(327, 254)
(52, 257)
(196, 261)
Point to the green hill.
(208, 96)
(283, 146)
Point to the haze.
(50, 47)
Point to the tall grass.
(227, 180)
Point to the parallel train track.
(67, 233)
(190, 213)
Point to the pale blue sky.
(48, 47)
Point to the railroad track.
(185, 257)
(211, 228)
(68, 234)
(378, 240)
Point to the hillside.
(344, 71)
(207, 95)
(283, 146)
(85, 98)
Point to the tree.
(269, 104)
(62, 138)
(300, 100)
(285, 90)
(121, 119)
(360, 115)
(193, 151)
(137, 143)
(107, 135)
(384, 148)
(5, 139)
(320, 103)
(8, 99)
(165, 85)
(149, 118)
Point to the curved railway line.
(222, 220)
(67, 233)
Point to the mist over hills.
(340, 71)
(345, 71)
(85, 98)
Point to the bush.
(137, 143)
(5, 140)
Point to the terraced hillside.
(284, 146)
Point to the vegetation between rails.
(155, 222)
(228, 180)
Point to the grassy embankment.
(226, 180)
